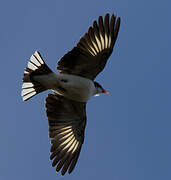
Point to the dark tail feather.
(36, 66)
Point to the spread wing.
(67, 120)
(90, 55)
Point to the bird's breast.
(75, 87)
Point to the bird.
(72, 87)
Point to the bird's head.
(99, 89)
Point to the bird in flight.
(72, 87)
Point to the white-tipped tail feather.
(36, 67)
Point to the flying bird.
(72, 87)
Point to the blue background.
(128, 132)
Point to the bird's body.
(70, 86)
(73, 86)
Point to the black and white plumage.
(73, 86)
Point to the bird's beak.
(106, 92)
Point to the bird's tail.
(36, 67)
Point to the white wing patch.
(109, 41)
(68, 144)
(95, 46)
(74, 148)
(99, 37)
(99, 44)
(66, 131)
(93, 51)
(106, 41)
(68, 140)
(66, 135)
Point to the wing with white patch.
(67, 120)
(90, 55)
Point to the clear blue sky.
(128, 132)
